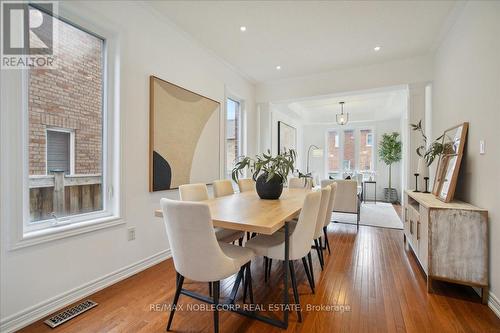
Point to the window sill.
(51, 234)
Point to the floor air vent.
(70, 313)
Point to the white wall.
(36, 276)
(467, 88)
(416, 112)
(269, 116)
(316, 134)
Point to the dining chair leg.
(326, 240)
(318, 250)
(216, 292)
(311, 270)
(295, 290)
(266, 263)
(240, 241)
(236, 285)
(306, 269)
(180, 281)
(210, 288)
(248, 283)
(248, 236)
(322, 247)
(269, 266)
(249, 278)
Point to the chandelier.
(342, 118)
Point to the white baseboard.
(494, 304)
(37, 312)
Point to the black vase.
(270, 190)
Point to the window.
(369, 138)
(349, 161)
(353, 152)
(60, 151)
(366, 150)
(333, 145)
(233, 137)
(66, 130)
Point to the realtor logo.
(28, 34)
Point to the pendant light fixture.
(342, 118)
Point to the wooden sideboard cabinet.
(450, 240)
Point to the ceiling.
(364, 106)
(306, 37)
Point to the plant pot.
(270, 190)
(391, 195)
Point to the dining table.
(247, 212)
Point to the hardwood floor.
(373, 280)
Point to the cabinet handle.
(418, 230)
(411, 227)
(406, 214)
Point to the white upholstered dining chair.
(296, 182)
(193, 192)
(199, 256)
(347, 197)
(273, 246)
(199, 192)
(328, 216)
(319, 230)
(222, 188)
(246, 184)
(320, 222)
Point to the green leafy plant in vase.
(269, 172)
(390, 152)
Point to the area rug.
(381, 214)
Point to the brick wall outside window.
(365, 152)
(68, 97)
(349, 150)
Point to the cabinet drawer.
(413, 220)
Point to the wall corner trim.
(38, 311)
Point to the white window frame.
(357, 136)
(71, 147)
(241, 128)
(14, 194)
(369, 135)
(337, 145)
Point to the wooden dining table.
(247, 212)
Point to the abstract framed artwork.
(184, 142)
(287, 137)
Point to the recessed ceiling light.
(376, 48)
(278, 67)
(243, 28)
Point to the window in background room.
(65, 128)
(349, 161)
(333, 158)
(366, 150)
(60, 151)
(233, 137)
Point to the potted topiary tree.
(390, 152)
(269, 172)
